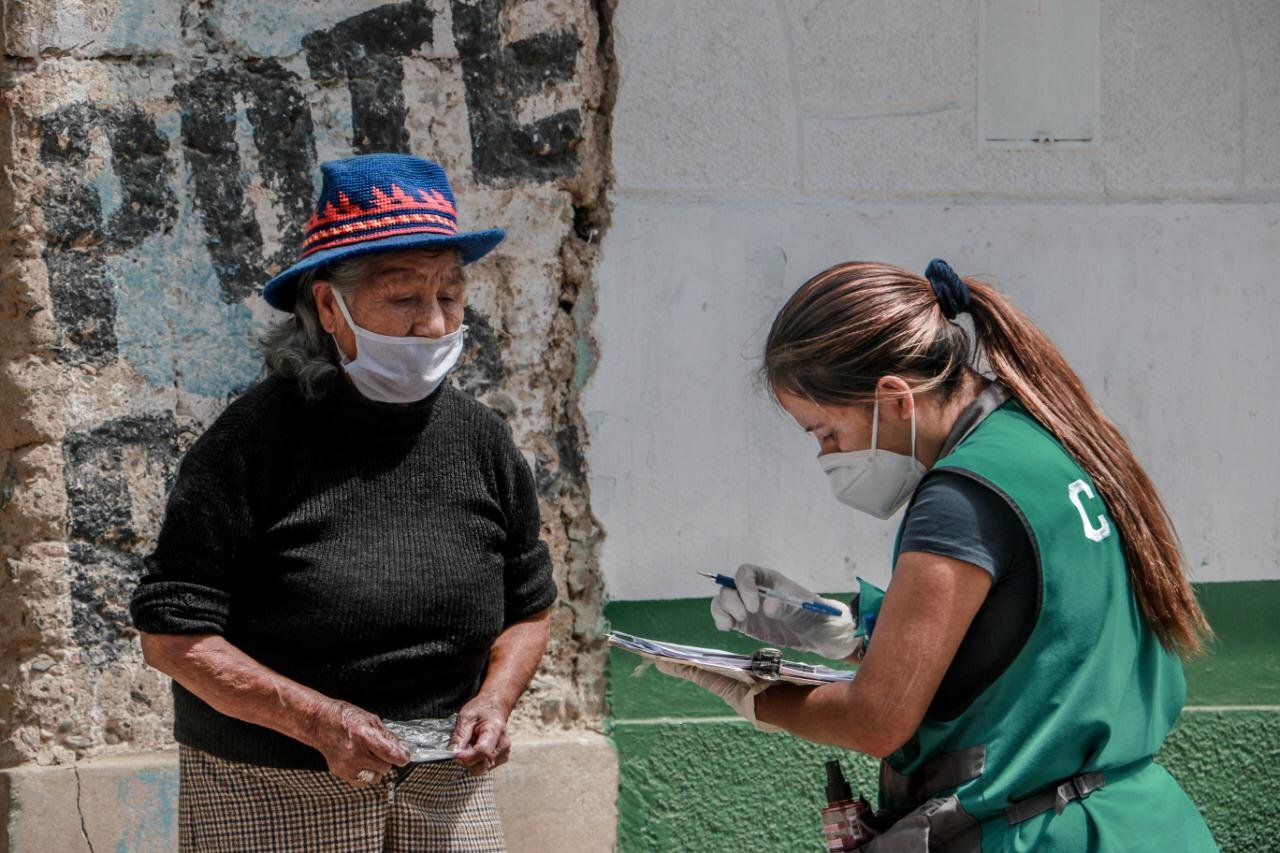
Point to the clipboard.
(766, 665)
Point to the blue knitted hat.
(379, 203)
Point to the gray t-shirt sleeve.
(955, 516)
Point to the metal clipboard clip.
(766, 664)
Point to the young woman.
(1022, 668)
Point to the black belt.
(1055, 797)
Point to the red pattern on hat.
(398, 201)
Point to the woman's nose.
(430, 322)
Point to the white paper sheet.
(726, 663)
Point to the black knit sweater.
(368, 550)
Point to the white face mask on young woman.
(398, 369)
(876, 481)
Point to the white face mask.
(398, 369)
(876, 481)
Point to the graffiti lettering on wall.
(79, 239)
(103, 525)
(185, 179)
(367, 51)
(496, 78)
(285, 139)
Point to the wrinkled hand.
(778, 623)
(739, 693)
(353, 740)
(480, 737)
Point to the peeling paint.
(150, 801)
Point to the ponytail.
(1028, 363)
(855, 322)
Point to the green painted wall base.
(712, 785)
(692, 777)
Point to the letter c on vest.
(1103, 530)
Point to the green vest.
(1091, 690)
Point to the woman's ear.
(322, 293)
(895, 397)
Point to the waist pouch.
(941, 824)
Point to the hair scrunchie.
(948, 288)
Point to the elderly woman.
(352, 541)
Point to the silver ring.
(365, 776)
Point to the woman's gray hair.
(299, 347)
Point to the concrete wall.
(757, 143)
(1152, 304)
(159, 161)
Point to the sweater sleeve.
(207, 526)
(527, 583)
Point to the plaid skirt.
(234, 807)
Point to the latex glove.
(778, 623)
(738, 692)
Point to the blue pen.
(785, 597)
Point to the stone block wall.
(159, 161)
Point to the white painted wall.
(756, 143)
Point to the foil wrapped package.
(426, 740)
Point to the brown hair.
(856, 322)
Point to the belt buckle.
(1065, 793)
